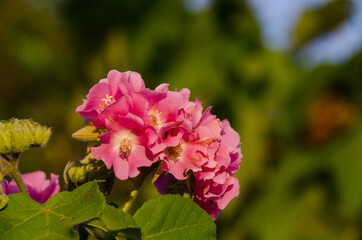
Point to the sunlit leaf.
(23, 218)
(174, 217)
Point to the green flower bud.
(3, 200)
(80, 171)
(3, 197)
(17, 136)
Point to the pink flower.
(144, 126)
(125, 147)
(165, 107)
(214, 197)
(190, 151)
(109, 91)
(212, 153)
(38, 187)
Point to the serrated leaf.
(23, 218)
(87, 134)
(174, 217)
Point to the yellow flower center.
(125, 147)
(173, 153)
(155, 118)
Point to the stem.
(13, 172)
(132, 198)
(137, 183)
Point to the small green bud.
(3, 197)
(3, 200)
(80, 171)
(17, 136)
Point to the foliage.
(85, 207)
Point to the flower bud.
(17, 136)
(3, 197)
(80, 171)
(3, 200)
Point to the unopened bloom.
(39, 188)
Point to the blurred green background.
(300, 127)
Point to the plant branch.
(137, 183)
(11, 169)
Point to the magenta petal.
(162, 88)
(50, 187)
(120, 168)
(94, 101)
(130, 82)
(209, 207)
(185, 93)
(231, 137)
(231, 192)
(140, 105)
(120, 107)
(137, 159)
(104, 151)
(170, 104)
(129, 121)
(38, 187)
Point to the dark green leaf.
(174, 217)
(113, 222)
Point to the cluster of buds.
(136, 127)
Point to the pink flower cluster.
(143, 126)
(39, 188)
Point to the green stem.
(13, 172)
(132, 198)
(137, 183)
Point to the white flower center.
(107, 101)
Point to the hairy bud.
(17, 136)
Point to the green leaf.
(316, 22)
(112, 222)
(87, 134)
(174, 217)
(23, 218)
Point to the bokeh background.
(287, 75)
